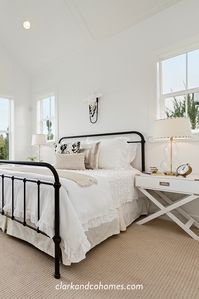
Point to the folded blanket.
(82, 180)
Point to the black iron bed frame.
(56, 185)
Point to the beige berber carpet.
(158, 255)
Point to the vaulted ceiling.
(60, 27)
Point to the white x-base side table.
(154, 188)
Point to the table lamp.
(38, 140)
(172, 129)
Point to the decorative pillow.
(91, 151)
(72, 161)
(68, 148)
(132, 151)
(116, 153)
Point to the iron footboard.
(56, 185)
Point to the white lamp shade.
(38, 139)
(178, 127)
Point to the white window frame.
(161, 97)
(38, 114)
(11, 125)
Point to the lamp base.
(170, 173)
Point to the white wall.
(124, 70)
(15, 84)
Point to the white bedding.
(81, 209)
(121, 183)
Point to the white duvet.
(81, 208)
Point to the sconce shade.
(38, 139)
(178, 127)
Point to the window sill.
(195, 138)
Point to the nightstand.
(155, 188)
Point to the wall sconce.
(93, 104)
(93, 111)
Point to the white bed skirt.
(128, 213)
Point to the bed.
(47, 207)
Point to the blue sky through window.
(180, 72)
(174, 74)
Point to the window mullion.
(186, 111)
(187, 74)
(159, 90)
(186, 102)
(179, 93)
(50, 103)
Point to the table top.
(191, 177)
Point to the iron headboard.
(141, 141)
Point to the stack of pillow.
(113, 153)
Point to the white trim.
(180, 93)
(11, 125)
(159, 87)
(11, 137)
(187, 79)
(194, 138)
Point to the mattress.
(99, 212)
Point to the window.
(179, 87)
(46, 117)
(5, 128)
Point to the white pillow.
(116, 153)
(91, 151)
(72, 161)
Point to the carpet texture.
(158, 255)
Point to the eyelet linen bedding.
(81, 208)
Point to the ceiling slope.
(60, 27)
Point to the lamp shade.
(178, 127)
(38, 139)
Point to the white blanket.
(81, 209)
(79, 178)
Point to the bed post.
(56, 184)
(143, 153)
(57, 238)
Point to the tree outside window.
(188, 106)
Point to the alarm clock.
(184, 170)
